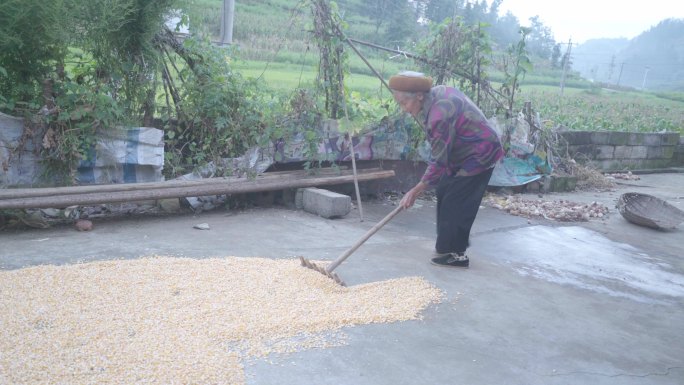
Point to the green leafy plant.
(67, 132)
(33, 39)
(74, 68)
(514, 66)
(216, 113)
(332, 64)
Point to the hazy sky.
(588, 19)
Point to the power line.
(677, 65)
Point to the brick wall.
(616, 151)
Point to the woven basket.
(647, 210)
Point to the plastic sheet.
(128, 155)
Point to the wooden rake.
(328, 271)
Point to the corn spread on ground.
(167, 320)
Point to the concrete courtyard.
(544, 302)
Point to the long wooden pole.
(332, 266)
(214, 188)
(50, 191)
(351, 150)
(370, 66)
(356, 181)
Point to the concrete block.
(654, 152)
(636, 139)
(577, 137)
(632, 164)
(587, 151)
(660, 152)
(671, 139)
(678, 156)
(605, 152)
(639, 152)
(545, 183)
(556, 183)
(622, 152)
(299, 198)
(533, 187)
(609, 165)
(619, 138)
(600, 137)
(326, 203)
(652, 139)
(654, 163)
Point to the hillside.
(596, 59)
(653, 60)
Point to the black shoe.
(451, 260)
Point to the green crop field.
(286, 77)
(276, 47)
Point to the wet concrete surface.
(544, 302)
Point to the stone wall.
(678, 157)
(618, 151)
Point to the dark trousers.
(458, 200)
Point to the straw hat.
(409, 81)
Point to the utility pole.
(620, 76)
(643, 84)
(611, 68)
(227, 22)
(566, 59)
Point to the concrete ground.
(599, 302)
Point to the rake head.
(311, 265)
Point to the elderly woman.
(464, 151)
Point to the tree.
(402, 24)
(378, 11)
(34, 36)
(121, 36)
(493, 13)
(540, 40)
(505, 30)
(555, 56)
(438, 10)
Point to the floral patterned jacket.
(461, 140)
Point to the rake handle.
(363, 239)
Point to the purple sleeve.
(438, 127)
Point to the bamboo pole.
(213, 188)
(351, 149)
(356, 181)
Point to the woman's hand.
(410, 197)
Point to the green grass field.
(286, 76)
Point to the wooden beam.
(212, 187)
(14, 193)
